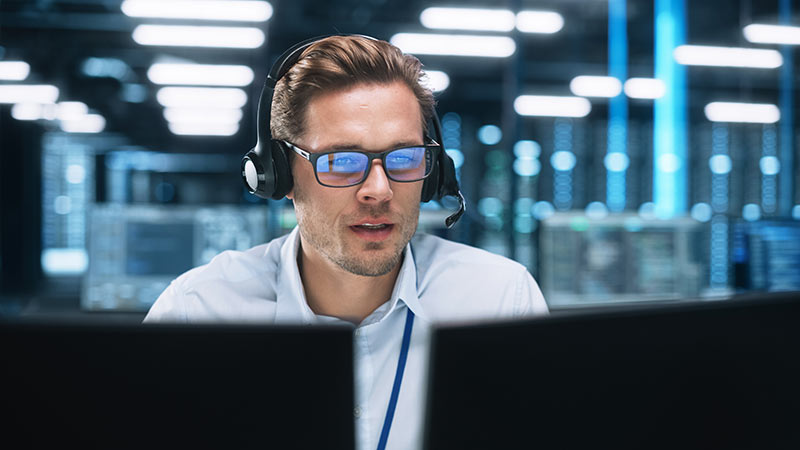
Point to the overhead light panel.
(243, 11)
(89, 123)
(194, 97)
(197, 36)
(772, 34)
(28, 93)
(595, 86)
(645, 88)
(203, 129)
(200, 74)
(552, 106)
(71, 111)
(701, 55)
(455, 45)
(543, 22)
(468, 19)
(14, 70)
(742, 112)
(436, 80)
(205, 115)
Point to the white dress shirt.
(439, 281)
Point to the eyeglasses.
(343, 168)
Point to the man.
(354, 256)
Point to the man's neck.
(333, 291)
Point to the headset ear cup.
(283, 170)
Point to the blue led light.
(542, 210)
(751, 212)
(616, 162)
(647, 210)
(596, 210)
(527, 149)
(796, 212)
(527, 167)
(490, 134)
(490, 206)
(563, 160)
(523, 206)
(770, 165)
(701, 212)
(720, 164)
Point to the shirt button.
(357, 412)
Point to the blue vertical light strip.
(618, 106)
(786, 176)
(670, 123)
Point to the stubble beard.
(329, 241)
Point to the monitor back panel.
(127, 387)
(706, 376)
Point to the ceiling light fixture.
(197, 36)
(454, 45)
(200, 74)
(595, 86)
(233, 10)
(552, 106)
(701, 55)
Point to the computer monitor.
(714, 375)
(170, 386)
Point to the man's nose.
(376, 188)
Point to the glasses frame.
(313, 157)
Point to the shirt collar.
(292, 306)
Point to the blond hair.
(337, 63)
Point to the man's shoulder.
(430, 250)
(237, 265)
(459, 282)
(234, 285)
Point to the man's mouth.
(373, 231)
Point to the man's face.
(372, 118)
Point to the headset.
(265, 168)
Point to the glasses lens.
(341, 168)
(409, 164)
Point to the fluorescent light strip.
(201, 97)
(700, 55)
(436, 80)
(645, 88)
(194, 36)
(742, 112)
(71, 111)
(14, 70)
(467, 19)
(455, 45)
(90, 123)
(552, 106)
(242, 11)
(207, 115)
(200, 74)
(595, 86)
(542, 22)
(28, 93)
(203, 129)
(772, 34)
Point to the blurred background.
(626, 152)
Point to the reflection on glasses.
(343, 168)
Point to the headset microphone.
(265, 168)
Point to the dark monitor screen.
(712, 375)
(203, 386)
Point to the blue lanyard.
(398, 378)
